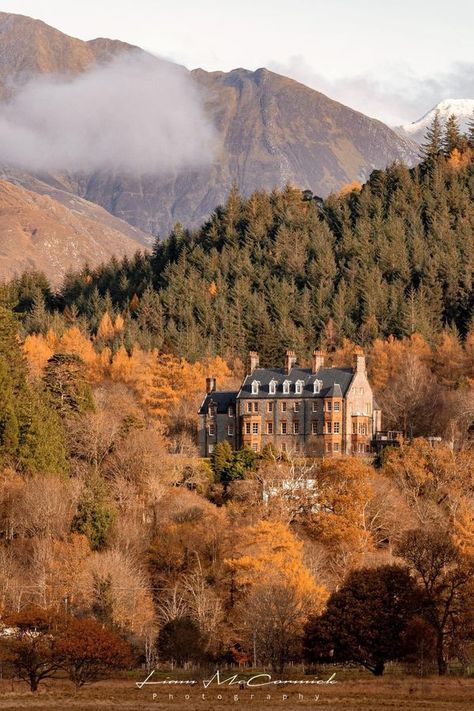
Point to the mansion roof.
(334, 382)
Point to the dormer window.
(299, 387)
(317, 387)
(286, 387)
(272, 387)
(255, 386)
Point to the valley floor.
(430, 694)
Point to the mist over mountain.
(155, 144)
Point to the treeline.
(279, 270)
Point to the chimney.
(318, 361)
(358, 360)
(253, 362)
(290, 361)
(210, 385)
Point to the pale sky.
(391, 59)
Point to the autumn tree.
(365, 620)
(273, 617)
(32, 651)
(65, 379)
(88, 651)
(443, 574)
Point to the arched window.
(286, 387)
(299, 387)
(272, 387)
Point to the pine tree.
(433, 145)
(452, 136)
(470, 131)
(9, 427)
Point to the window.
(255, 385)
(286, 387)
(247, 428)
(270, 428)
(230, 430)
(337, 407)
(315, 406)
(296, 407)
(230, 411)
(255, 407)
(316, 387)
(296, 427)
(314, 428)
(272, 387)
(212, 410)
(337, 427)
(255, 446)
(269, 406)
(329, 406)
(336, 446)
(354, 428)
(283, 427)
(283, 406)
(299, 387)
(328, 427)
(254, 427)
(212, 430)
(249, 407)
(210, 448)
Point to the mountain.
(38, 232)
(270, 130)
(463, 109)
(30, 47)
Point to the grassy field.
(368, 694)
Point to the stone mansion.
(317, 411)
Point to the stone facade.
(317, 411)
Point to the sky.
(392, 60)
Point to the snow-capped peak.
(463, 109)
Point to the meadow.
(431, 694)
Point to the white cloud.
(136, 114)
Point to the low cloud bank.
(136, 114)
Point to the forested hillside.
(280, 270)
(107, 512)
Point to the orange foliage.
(106, 328)
(134, 302)
(350, 187)
(458, 159)
(212, 289)
(37, 353)
(270, 548)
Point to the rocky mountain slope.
(270, 130)
(38, 232)
(463, 109)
